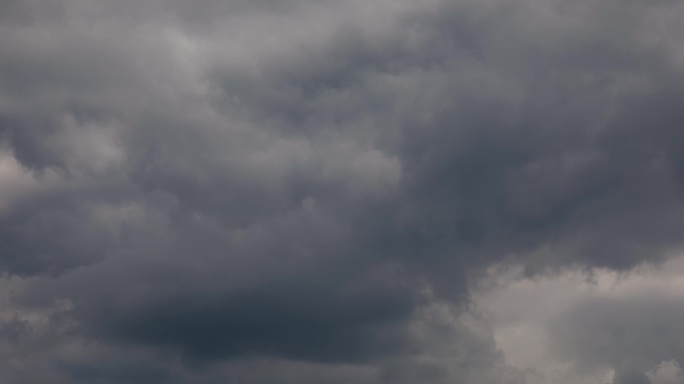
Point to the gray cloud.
(594, 326)
(632, 336)
(293, 187)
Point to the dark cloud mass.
(305, 191)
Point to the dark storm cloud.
(327, 321)
(295, 180)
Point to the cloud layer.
(598, 327)
(300, 191)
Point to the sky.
(342, 191)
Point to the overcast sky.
(342, 191)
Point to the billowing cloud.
(589, 327)
(302, 191)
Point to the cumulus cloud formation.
(666, 372)
(318, 191)
(589, 327)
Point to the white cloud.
(667, 372)
(524, 311)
